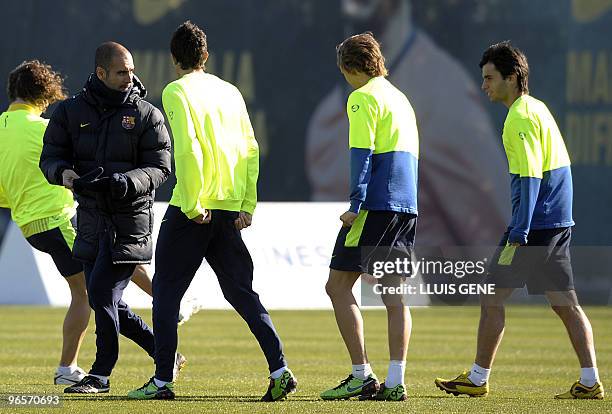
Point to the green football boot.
(280, 387)
(353, 387)
(150, 391)
(397, 393)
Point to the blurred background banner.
(291, 261)
(291, 266)
(281, 55)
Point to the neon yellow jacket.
(23, 187)
(384, 145)
(539, 167)
(215, 152)
(3, 200)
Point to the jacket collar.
(96, 93)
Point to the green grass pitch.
(226, 371)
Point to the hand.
(243, 221)
(118, 186)
(348, 218)
(68, 176)
(203, 218)
(92, 182)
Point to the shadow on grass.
(195, 398)
(255, 398)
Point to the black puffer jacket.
(127, 136)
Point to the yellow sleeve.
(3, 200)
(250, 197)
(362, 114)
(188, 156)
(526, 158)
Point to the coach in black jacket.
(113, 150)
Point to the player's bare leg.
(399, 325)
(491, 326)
(348, 316)
(578, 326)
(76, 320)
(361, 382)
(399, 321)
(565, 305)
(142, 279)
(475, 382)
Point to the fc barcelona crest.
(128, 122)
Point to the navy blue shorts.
(374, 236)
(58, 243)
(544, 264)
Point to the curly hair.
(36, 83)
(361, 53)
(508, 60)
(188, 46)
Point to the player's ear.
(205, 57)
(512, 79)
(100, 73)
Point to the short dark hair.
(188, 46)
(105, 53)
(508, 60)
(37, 83)
(361, 53)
